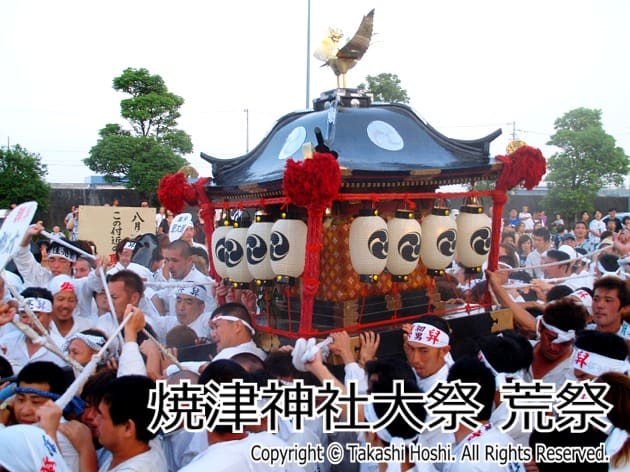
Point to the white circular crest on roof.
(293, 143)
(385, 136)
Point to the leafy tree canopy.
(588, 161)
(153, 147)
(385, 88)
(22, 178)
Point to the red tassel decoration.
(525, 166)
(175, 191)
(314, 184)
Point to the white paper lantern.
(405, 238)
(288, 249)
(369, 242)
(218, 246)
(474, 236)
(439, 237)
(235, 256)
(258, 256)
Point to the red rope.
(310, 279)
(287, 294)
(395, 295)
(267, 305)
(364, 292)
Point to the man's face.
(79, 351)
(125, 257)
(525, 209)
(540, 244)
(425, 360)
(177, 264)
(548, 349)
(109, 434)
(88, 418)
(81, 269)
(101, 302)
(598, 215)
(188, 234)
(25, 405)
(554, 271)
(188, 308)
(223, 333)
(59, 265)
(44, 319)
(580, 231)
(121, 297)
(64, 304)
(606, 306)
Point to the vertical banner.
(106, 226)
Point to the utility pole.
(308, 54)
(246, 110)
(514, 131)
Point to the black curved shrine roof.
(367, 148)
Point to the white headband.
(57, 250)
(234, 318)
(596, 364)
(93, 342)
(604, 271)
(428, 334)
(38, 304)
(584, 296)
(130, 245)
(563, 336)
(372, 418)
(500, 378)
(60, 283)
(196, 291)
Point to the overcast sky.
(468, 67)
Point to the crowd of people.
(120, 339)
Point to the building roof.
(375, 141)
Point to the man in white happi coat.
(610, 296)
(189, 311)
(183, 228)
(553, 350)
(426, 346)
(122, 426)
(233, 333)
(179, 262)
(60, 259)
(468, 436)
(126, 288)
(16, 346)
(65, 319)
(124, 253)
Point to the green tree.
(385, 88)
(153, 146)
(22, 178)
(589, 160)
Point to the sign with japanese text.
(107, 226)
(13, 230)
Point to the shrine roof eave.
(383, 143)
